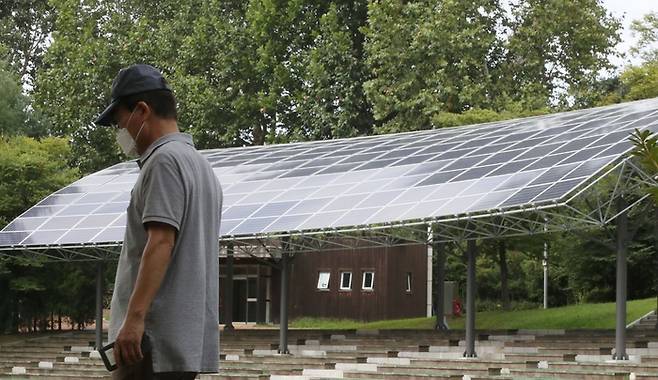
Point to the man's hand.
(152, 269)
(127, 347)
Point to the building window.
(368, 281)
(408, 282)
(345, 280)
(323, 280)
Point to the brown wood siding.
(403, 260)
(388, 299)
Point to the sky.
(630, 10)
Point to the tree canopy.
(269, 71)
(272, 71)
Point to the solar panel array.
(366, 180)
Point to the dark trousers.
(144, 371)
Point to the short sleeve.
(164, 195)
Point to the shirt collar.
(177, 136)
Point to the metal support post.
(471, 252)
(545, 265)
(655, 254)
(438, 250)
(99, 305)
(228, 289)
(622, 237)
(283, 310)
(430, 284)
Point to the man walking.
(164, 312)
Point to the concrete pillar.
(471, 252)
(622, 237)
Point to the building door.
(245, 299)
(240, 300)
(252, 299)
(250, 295)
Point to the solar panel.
(365, 180)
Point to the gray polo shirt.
(178, 187)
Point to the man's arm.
(152, 269)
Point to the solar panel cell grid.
(260, 197)
(43, 237)
(491, 200)
(512, 167)
(588, 168)
(440, 178)
(321, 220)
(378, 179)
(450, 190)
(252, 225)
(491, 149)
(558, 190)
(484, 185)
(289, 222)
(25, 224)
(110, 235)
(524, 196)
(548, 161)
(616, 149)
(79, 236)
(477, 172)
(12, 238)
(458, 206)
(60, 222)
(274, 209)
(519, 180)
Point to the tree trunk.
(502, 262)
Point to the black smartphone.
(107, 354)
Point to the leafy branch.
(646, 149)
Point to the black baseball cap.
(132, 80)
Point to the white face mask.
(125, 140)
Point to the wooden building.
(362, 284)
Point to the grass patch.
(586, 316)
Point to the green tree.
(12, 103)
(29, 171)
(557, 49)
(25, 26)
(73, 85)
(637, 81)
(244, 72)
(331, 101)
(428, 57)
(17, 117)
(646, 29)
(640, 82)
